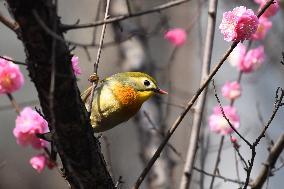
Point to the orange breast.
(127, 97)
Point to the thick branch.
(83, 163)
(194, 135)
(269, 163)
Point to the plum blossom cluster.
(237, 25)
(11, 78)
(242, 23)
(29, 123)
(176, 36)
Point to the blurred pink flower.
(75, 65)
(218, 124)
(264, 25)
(177, 36)
(247, 62)
(239, 24)
(11, 78)
(39, 162)
(231, 90)
(237, 56)
(271, 10)
(28, 124)
(253, 60)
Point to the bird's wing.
(86, 94)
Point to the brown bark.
(79, 150)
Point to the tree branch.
(84, 166)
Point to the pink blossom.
(39, 162)
(271, 10)
(75, 65)
(11, 78)
(28, 124)
(218, 124)
(253, 60)
(177, 36)
(238, 24)
(238, 54)
(264, 25)
(231, 90)
(247, 62)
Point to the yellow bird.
(118, 98)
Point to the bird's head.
(144, 85)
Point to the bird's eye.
(146, 83)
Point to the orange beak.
(162, 91)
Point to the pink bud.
(176, 36)
(234, 141)
(38, 162)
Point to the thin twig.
(162, 135)
(218, 176)
(22, 104)
(217, 162)
(14, 61)
(96, 64)
(123, 17)
(14, 103)
(229, 122)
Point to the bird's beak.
(162, 91)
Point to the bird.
(118, 98)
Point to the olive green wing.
(86, 94)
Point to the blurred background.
(138, 44)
